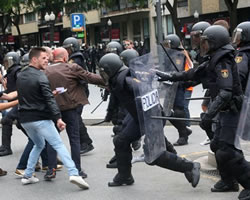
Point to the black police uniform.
(121, 85)
(7, 120)
(242, 59)
(221, 77)
(78, 58)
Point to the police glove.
(164, 76)
(206, 121)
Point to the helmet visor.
(237, 36)
(195, 39)
(112, 50)
(204, 46)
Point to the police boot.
(244, 194)
(6, 140)
(183, 131)
(124, 176)
(226, 186)
(173, 162)
(112, 163)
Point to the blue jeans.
(42, 130)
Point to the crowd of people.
(57, 81)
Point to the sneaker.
(26, 180)
(59, 167)
(20, 173)
(205, 142)
(50, 174)
(77, 180)
(85, 148)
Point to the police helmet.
(109, 65)
(213, 38)
(172, 41)
(72, 44)
(196, 32)
(25, 60)
(241, 33)
(114, 47)
(10, 59)
(127, 55)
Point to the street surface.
(151, 182)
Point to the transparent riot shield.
(242, 139)
(169, 60)
(148, 104)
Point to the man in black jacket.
(37, 109)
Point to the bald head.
(60, 55)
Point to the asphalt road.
(151, 182)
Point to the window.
(170, 29)
(30, 17)
(182, 3)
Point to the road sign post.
(78, 24)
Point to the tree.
(173, 12)
(232, 9)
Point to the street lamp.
(109, 22)
(196, 15)
(50, 19)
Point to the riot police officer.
(72, 45)
(25, 60)
(121, 84)
(173, 42)
(220, 76)
(241, 39)
(196, 33)
(12, 65)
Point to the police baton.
(198, 98)
(97, 107)
(98, 123)
(180, 119)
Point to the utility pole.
(159, 21)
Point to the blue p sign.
(77, 22)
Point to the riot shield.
(148, 104)
(170, 60)
(242, 139)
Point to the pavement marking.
(193, 154)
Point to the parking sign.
(77, 22)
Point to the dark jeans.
(84, 136)
(25, 156)
(70, 117)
